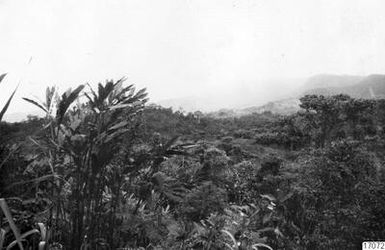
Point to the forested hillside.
(369, 87)
(105, 170)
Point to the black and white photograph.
(192, 124)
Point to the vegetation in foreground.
(104, 170)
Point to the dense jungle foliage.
(105, 170)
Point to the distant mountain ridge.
(331, 81)
(372, 86)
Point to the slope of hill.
(372, 86)
(327, 81)
(286, 106)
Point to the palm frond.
(67, 99)
(36, 104)
(2, 77)
(7, 104)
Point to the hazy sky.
(186, 47)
